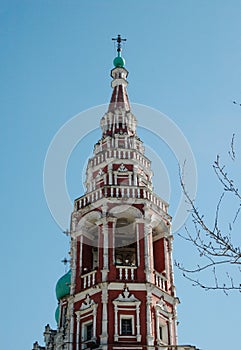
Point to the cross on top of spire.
(118, 40)
(119, 61)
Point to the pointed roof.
(119, 98)
(118, 119)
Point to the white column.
(111, 236)
(175, 336)
(130, 174)
(138, 328)
(170, 328)
(151, 249)
(94, 321)
(81, 253)
(103, 242)
(110, 173)
(71, 328)
(115, 178)
(73, 254)
(78, 330)
(149, 335)
(170, 276)
(116, 323)
(104, 334)
(157, 326)
(105, 245)
(148, 251)
(137, 244)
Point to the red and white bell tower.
(120, 292)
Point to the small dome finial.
(119, 61)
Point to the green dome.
(119, 61)
(57, 314)
(63, 285)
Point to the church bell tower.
(119, 292)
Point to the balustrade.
(89, 279)
(160, 280)
(120, 192)
(126, 273)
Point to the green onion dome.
(119, 62)
(57, 314)
(63, 285)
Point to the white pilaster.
(130, 175)
(149, 335)
(104, 334)
(116, 323)
(71, 328)
(138, 241)
(78, 331)
(110, 175)
(148, 250)
(73, 255)
(138, 328)
(105, 244)
(94, 321)
(81, 253)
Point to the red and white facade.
(122, 293)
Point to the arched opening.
(125, 242)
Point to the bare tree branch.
(214, 245)
(232, 152)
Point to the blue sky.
(184, 59)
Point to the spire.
(119, 120)
(119, 98)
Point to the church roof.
(63, 285)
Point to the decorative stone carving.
(127, 299)
(126, 296)
(87, 303)
(122, 168)
(100, 173)
(161, 304)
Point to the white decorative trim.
(100, 173)
(78, 331)
(104, 299)
(162, 321)
(122, 168)
(162, 306)
(137, 243)
(87, 303)
(126, 296)
(148, 251)
(87, 308)
(81, 253)
(123, 303)
(71, 330)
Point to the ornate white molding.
(127, 301)
(100, 173)
(126, 296)
(87, 303)
(122, 168)
(88, 307)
